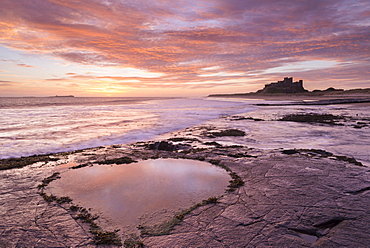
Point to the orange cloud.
(4, 83)
(24, 65)
(178, 39)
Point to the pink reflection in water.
(123, 193)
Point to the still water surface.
(124, 193)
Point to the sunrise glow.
(180, 48)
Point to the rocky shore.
(276, 198)
(321, 102)
(289, 89)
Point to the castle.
(285, 86)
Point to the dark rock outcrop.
(162, 146)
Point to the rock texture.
(27, 220)
(299, 199)
(287, 201)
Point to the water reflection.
(124, 193)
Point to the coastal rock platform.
(27, 220)
(287, 201)
(288, 198)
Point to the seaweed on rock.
(323, 154)
(133, 242)
(81, 165)
(106, 238)
(165, 227)
(227, 132)
(235, 183)
(100, 236)
(47, 180)
(10, 163)
(313, 118)
(121, 160)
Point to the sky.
(180, 48)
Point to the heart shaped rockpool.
(133, 194)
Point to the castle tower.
(285, 86)
(288, 81)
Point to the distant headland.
(287, 87)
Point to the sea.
(43, 125)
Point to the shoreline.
(64, 141)
(326, 94)
(334, 101)
(293, 97)
(300, 197)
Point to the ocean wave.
(34, 128)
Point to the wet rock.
(121, 160)
(227, 132)
(241, 155)
(314, 118)
(29, 221)
(239, 118)
(310, 199)
(289, 152)
(182, 139)
(213, 143)
(162, 146)
(285, 201)
(10, 163)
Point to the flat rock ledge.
(288, 200)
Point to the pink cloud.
(181, 38)
(4, 83)
(25, 65)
